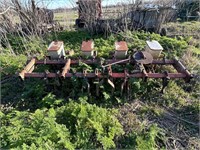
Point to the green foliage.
(27, 46)
(153, 110)
(145, 139)
(38, 130)
(34, 90)
(75, 125)
(72, 39)
(195, 50)
(174, 96)
(106, 96)
(148, 139)
(82, 66)
(51, 101)
(141, 88)
(10, 64)
(105, 46)
(90, 126)
(172, 46)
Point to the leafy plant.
(50, 101)
(171, 98)
(90, 126)
(38, 130)
(10, 64)
(148, 139)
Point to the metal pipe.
(100, 75)
(117, 62)
(181, 68)
(95, 61)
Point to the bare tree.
(23, 18)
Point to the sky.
(52, 4)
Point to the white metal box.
(87, 48)
(56, 50)
(154, 48)
(121, 49)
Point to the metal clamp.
(74, 72)
(86, 84)
(143, 70)
(46, 72)
(165, 81)
(96, 72)
(108, 72)
(110, 77)
(84, 73)
(125, 83)
(45, 61)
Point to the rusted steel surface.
(182, 72)
(163, 62)
(95, 61)
(117, 62)
(66, 68)
(100, 75)
(41, 75)
(149, 75)
(181, 68)
(28, 69)
(50, 62)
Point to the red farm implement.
(141, 64)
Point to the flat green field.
(66, 18)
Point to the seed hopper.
(141, 64)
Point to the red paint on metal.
(181, 68)
(121, 46)
(87, 46)
(149, 75)
(27, 72)
(55, 45)
(100, 75)
(95, 61)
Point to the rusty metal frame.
(96, 61)
(182, 72)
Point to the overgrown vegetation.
(40, 115)
(86, 126)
